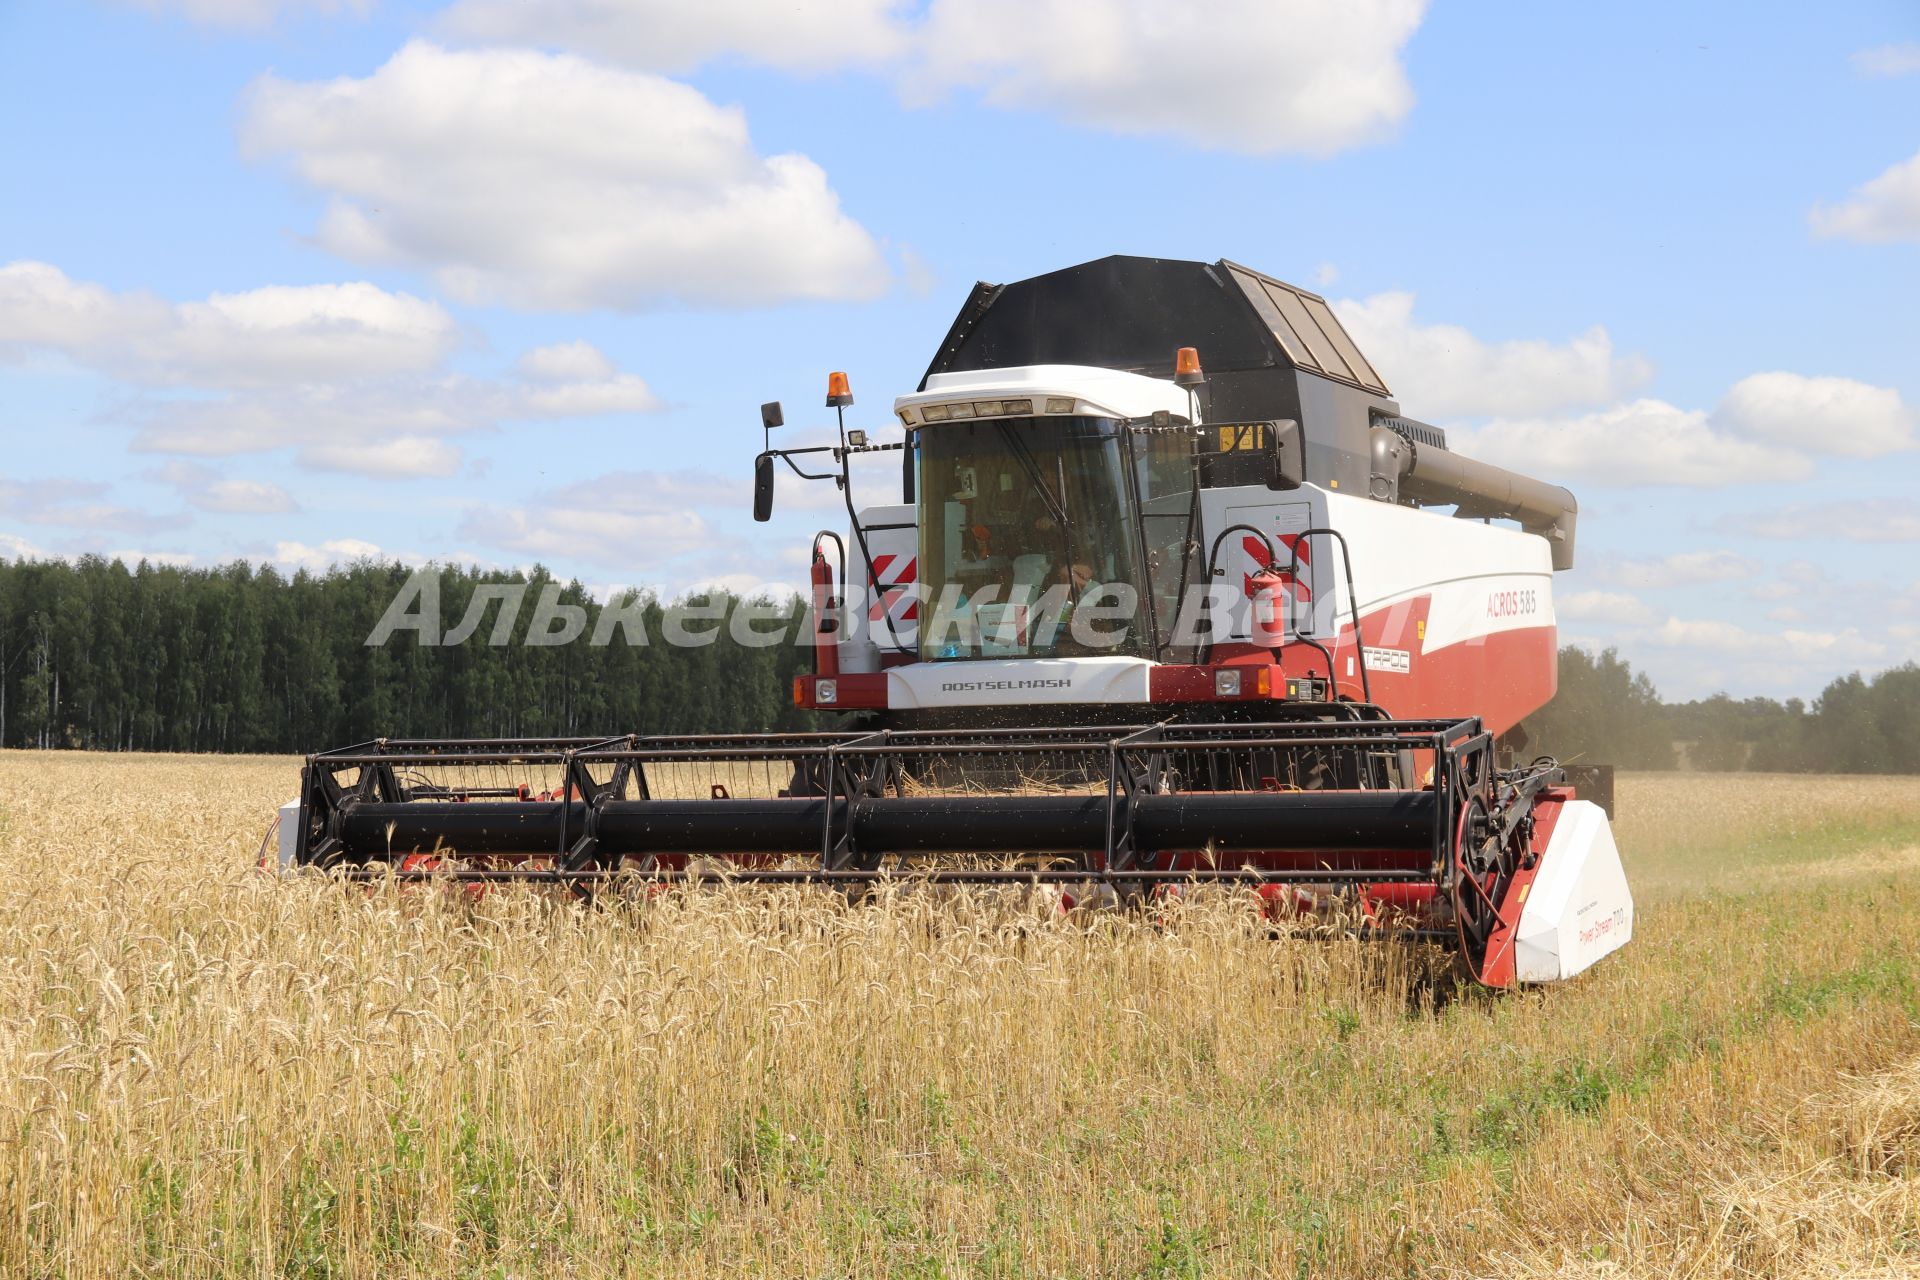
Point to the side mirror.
(1286, 456)
(763, 487)
(907, 471)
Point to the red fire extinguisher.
(1269, 592)
(826, 618)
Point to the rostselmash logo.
(995, 686)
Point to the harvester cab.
(1174, 595)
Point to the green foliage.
(156, 658)
(1605, 713)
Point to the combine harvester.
(1145, 627)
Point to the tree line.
(1606, 713)
(240, 658)
(244, 658)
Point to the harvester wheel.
(1484, 866)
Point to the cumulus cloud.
(260, 337)
(626, 519)
(207, 490)
(1299, 76)
(1442, 370)
(251, 15)
(1888, 60)
(1767, 427)
(1883, 210)
(566, 362)
(318, 559)
(1731, 640)
(1680, 569)
(547, 181)
(1616, 607)
(595, 535)
(576, 379)
(670, 35)
(378, 427)
(387, 458)
(349, 374)
(79, 504)
(1643, 442)
(1819, 415)
(643, 492)
(1868, 520)
(14, 547)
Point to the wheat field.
(205, 1071)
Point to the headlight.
(1226, 683)
(826, 691)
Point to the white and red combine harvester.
(1135, 625)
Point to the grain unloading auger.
(1141, 628)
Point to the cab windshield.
(1026, 524)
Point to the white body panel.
(1579, 907)
(1483, 579)
(895, 565)
(289, 833)
(1026, 681)
(1104, 393)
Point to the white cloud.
(1888, 60)
(1300, 76)
(335, 422)
(1728, 639)
(1644, 442)
(391, 458)
(598, 536)
(576, 379)
(260, 337)
(1442, 370)
(14, 547)
(1818, 415)
(295, 334)
(41, 307)
(251, 14)
(548, 181)
(1681, 569)
(1880, 211)
(1262, 76)
(79, 504)
(132, 556)
(565, 362)
(671, 35)
(349, 371)
(1867, 520)
(1605, 606)
(207, 490)
(624, 519)
(298, 555)
(651, 491)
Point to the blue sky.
(505, 280)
